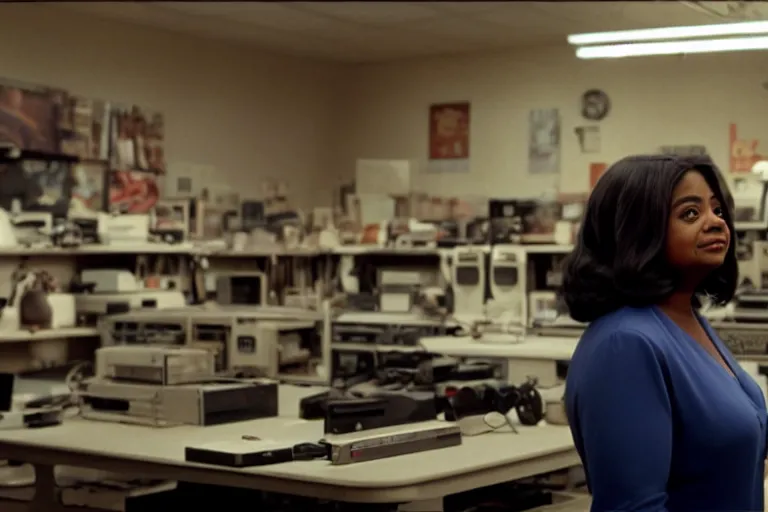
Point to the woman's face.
(697, 235)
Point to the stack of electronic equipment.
(413, 389)
(276, 342)
(166, 386)
(100, 292)
(358, 334)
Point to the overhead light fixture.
(656, 34)
(615, 51)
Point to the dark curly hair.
(619, 258)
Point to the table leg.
(45, 489)
(435, 505)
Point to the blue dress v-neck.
(659, 424)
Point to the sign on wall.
(544, 141)
(744, 153)
(596, 169)
(449, 137)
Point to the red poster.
(449, 131)
(595, 171)
(743, 152)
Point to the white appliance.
(750, 198)
(7, 233)
(753, 264)
(508, 285)
(542, 307)
(469, 274)
(124, 229)
(347, 275)
(32, 228)
(110, 280)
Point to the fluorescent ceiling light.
(672, 48)
(653, 34)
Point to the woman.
(663, 417)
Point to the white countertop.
(534, 347)
(166, 446)
(131, 449)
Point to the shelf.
(434, 251)
(374, 249)
(750, 226)
(373, 347)
(97, 249)
(265, 253)
(189, 249)
(48, 334)
(548, 249)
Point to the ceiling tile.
(468, 7)
(373, 13)
(280, 16)
(377, 31)
(457, 28)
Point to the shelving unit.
(296, 269)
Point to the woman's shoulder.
(632, 326)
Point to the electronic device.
(241, 288)
(88, 222)
(91, 307)
(240, 453)
(751, 306)
(32, 228)
(542, 308)
(508, 285)
(469, 280)
(271, 341)
(743, 339)
(163, 365)
(749, 194)
(23, 417)
(347, 364)
(505, 221)
(7, 232)
(752, 260)
(202, 404)
(391, 441)
(382, 409)
(125, 229)
(109, 280)
(487, 397)
(387, 328)
(350, 283)
(124, 495)
(287, 350)
(397, 289)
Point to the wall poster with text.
(744, 153)
(544, 141)
(449, 137)
(29, 117)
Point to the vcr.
(387, 328)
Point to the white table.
(536, 355)
(159, 453)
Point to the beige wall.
(255, 116)
(656, 101)
(248, 114)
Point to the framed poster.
(137, 140)
(90, 182)
(172, 215)
(544, 141)
(449, 137)
(29, 117)
(596, 169)
(133, 191)
(743, 152)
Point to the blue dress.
(659, 424)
